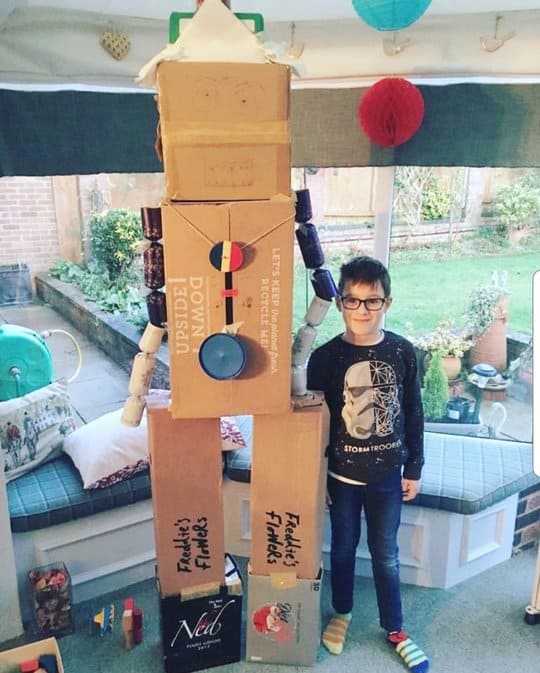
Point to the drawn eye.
(205, 95)
(247, 99)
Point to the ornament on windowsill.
(114, 42)
(390, 14)
(391, 111)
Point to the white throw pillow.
(105, 451)
(33, 428)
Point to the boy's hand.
(410, 488)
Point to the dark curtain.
(80, 132)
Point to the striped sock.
(335, 633)
(411, 654)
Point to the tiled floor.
(102, 385)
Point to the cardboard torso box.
(283, 620)
(288, 487)
(258, 302)
(224, 130)
(204, 630)
(186, 474)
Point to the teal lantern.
(390, 14)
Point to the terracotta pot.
(490, 347)
(451, 366)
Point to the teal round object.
(390, 14)
(222, 356)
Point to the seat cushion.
(468, 474)
(53, 493)
(461, 474)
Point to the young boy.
(369, 379)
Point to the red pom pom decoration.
(391, 111)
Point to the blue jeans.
(382, 510)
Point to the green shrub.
(435, 394)
(517, 204)
(115, 234)
(435, 199)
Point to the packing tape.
(233, 133)
(284, 580)
(200, 590)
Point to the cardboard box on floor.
(203, 629)
(224, 130)
(288, 487)
(260, 304)
(32, 651)
(186, 474)
(283, 623)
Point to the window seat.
(461, 522)
(53, 494)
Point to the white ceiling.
(56, 42)
(272, 10)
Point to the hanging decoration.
(390, 14)
(391, 111)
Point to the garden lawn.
(426, 292)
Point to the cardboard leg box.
(186, 477)
(32, 652)
(229, 269)
(288, 487)
(283, 619)
(203, 630)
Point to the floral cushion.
(33, 428)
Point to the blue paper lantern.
(390, 14)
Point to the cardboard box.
(32, 651)
(288, 487)
(204, 630)
(224, 130)
(283, 620)
(254, 301)
(186, 474)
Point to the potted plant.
(435, 393)
(444, 413)
(485, 319)
(449, 342)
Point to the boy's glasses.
(371, 304)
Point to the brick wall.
(28, 230)
(527, 532)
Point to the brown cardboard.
(186, 472)
(288, 487)
(261, 305)
(19, 655)
(283, 624)
(224, 130)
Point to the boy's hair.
(364, 269)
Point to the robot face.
(370, 397)
(241, 99)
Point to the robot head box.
(224, 130)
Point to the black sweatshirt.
(373, 394)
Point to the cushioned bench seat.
(461, 523)
(461, 474)
(53, 493)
